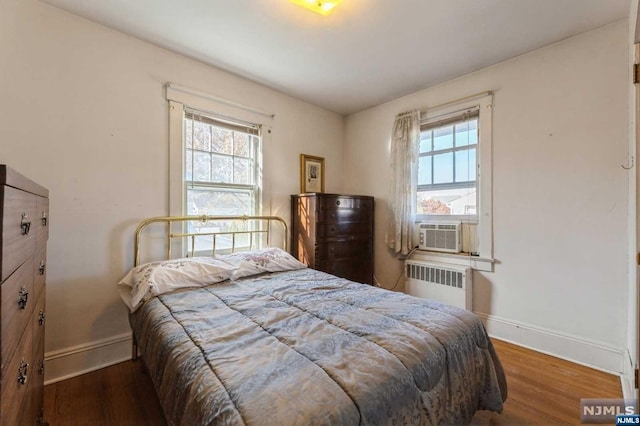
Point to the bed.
(257, 338)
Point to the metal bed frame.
(264, 229)
(170, 236)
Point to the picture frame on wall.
(311, 173)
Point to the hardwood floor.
(119, 395)
(543, 390)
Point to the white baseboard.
(578, 350)
(70, 362)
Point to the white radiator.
(442, 283)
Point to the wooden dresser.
(334, 233)
(24, 207)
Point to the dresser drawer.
(39, 273)
(356, 269)
(344, 215)
(355, 248)
(17, 375)
(343, 229)
(18, 230)
(17, 300)
(345, 202)
(41, 221)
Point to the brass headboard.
(170, 236)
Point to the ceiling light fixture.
(319, 6)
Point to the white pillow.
(152, 279)
(271, 259)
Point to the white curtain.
(402, 196)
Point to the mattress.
(304, 347)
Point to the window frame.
(182, 100)
(438, 122)
(484, 179)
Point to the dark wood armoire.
(334, 233)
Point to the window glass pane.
(218, 202)
(425, 141)
(222, 140)
(473, 131)
(223, 203)
(188, 133)
(201, 136)
(222, 168)
(466, 165)
(189, 165)
(242, 171)
(443, 138)
(467, 133)
(201, 166)
(424, 171)
(241, 144)
(443, 168)
(429, 204)
(459, 201)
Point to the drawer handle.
(22, 372)
(332, 229)
(41, 369)
(42, 267)
(25, 224)
(44, 218)
(337, 202)
(23, 297)
(41, 317)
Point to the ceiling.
(364, 53)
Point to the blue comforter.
(307, 348)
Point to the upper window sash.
(227, 153)
(460, 134)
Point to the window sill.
(475, 262)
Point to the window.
(221, 167)
(215, 166)
(455, 173)
(222, 175)
(447, 165)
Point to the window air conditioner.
(440, 236)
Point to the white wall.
(83, 112)
(559, 193)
